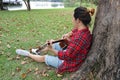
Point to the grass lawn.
(23, 29)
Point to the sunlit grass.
(23, 29)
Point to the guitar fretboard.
(42, 47)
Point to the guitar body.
(63, 44)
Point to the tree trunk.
(103, 61)
(27, 3)
(1, 4)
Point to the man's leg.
(49, 60)
(56, 46)
(37, 58)
(53, 61)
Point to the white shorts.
(54, 60)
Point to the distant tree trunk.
(103, 61)
(1, 4)
(27, 3)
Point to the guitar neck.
(42, 47)
(58, 41)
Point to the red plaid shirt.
(76, 51)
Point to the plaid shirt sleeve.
(76, 46)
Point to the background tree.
(27, 3)
(1, 4)
(103, 61)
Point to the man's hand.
(50, 44)
(67, 36)
(50, 48)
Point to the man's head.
(83, 14)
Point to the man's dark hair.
(82, 14)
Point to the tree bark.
(27, 3)
(103, 61)
(1, 4)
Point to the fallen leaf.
(17, 57)
(1, 35)
(18, 69)
(25, 58)
(59, 75)
(44, 74)
(50, 79)
(13, 73)
(31, 61)
(24, 75)
(11, 59)
(1, 53)
(65, 79)
(8, 54)
(49, 68)
(23, 62)
(8, 46)
(1, 28)
(37, 72)
(36, 69)
(29, 70)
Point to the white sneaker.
(22, 52)
(35, 51)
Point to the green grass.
(24, 29)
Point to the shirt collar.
(83, 30)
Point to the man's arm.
(55, 52)
(67, 35)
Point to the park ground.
(28, 29)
